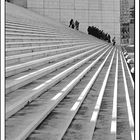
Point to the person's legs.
(78, 27)
(113, 43)
(72, 26)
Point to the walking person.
(77, 25)
(71, 23)
(114, 41)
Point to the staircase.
(63, 84)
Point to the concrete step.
(11, 70)
(51, 104)
(9, 34)
(39, 43)
(24, 80)
(62, 32)
(24, 23)
(69, 109)
(47, 45)
(66, 71)
(70, 33)
(21, 58)
(29, 49)
(29, 36)
(19, 20)
(32, 28)
(48, 35)
(26, 39)
(29, 31)
(89, 98)
(66, 29)
(18, 25)
(28, 27)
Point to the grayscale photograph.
(69, 70)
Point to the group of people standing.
(92, 30)
(74, 25)
(99, 33)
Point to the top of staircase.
(17, 14)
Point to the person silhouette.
(109, 38)
(71, 23)
(114, 41)
(77, 25)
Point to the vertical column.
(120, 22)
(120, 19)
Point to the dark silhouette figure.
(114, 41)
(71, 23)
(77, 25)
(109, 38)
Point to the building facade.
(104, 14)
(124, 21)
(132, 24)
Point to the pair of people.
(74, 24)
